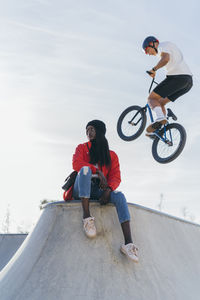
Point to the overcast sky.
(64, 63)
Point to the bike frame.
(156, 132)
(150, 112)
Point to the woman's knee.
(85, 171)
(119, 198)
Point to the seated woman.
(98, 177)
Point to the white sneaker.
(162, 120)
(89, 227)
(131, 251)
(156, 124)
(151, 135)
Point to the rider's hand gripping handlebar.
(153, 81)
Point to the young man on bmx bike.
(178, 79)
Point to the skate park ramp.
(58, 262)
(9, 244)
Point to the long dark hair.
(99, 151)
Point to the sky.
(64, 63)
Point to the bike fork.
(131, 121)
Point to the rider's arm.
(162, 62)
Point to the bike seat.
(170, 114)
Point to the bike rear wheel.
(131, 123)
(175, 136)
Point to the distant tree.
(187, 215)
(22, 230)
(160, 204)
(6, 221)
(45, 201)
(192, 218)
(185, 212)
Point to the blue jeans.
(84, 187)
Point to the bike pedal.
(170, 114)
(152, 137)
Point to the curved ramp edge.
(57, 261)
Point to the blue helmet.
(147, 41)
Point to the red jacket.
(81, 159)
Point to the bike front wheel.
(168, 149)
(131, 123)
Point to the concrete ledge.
(63, 203)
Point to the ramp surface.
(9, 244)
(57, 261)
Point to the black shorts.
(174, 86)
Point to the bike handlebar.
(153, 80)
(148, 72)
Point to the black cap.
(98, 125)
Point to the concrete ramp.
(9, 244)
(58, 262)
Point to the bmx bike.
(168, 140)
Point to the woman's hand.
(105, 197)
(103, 181)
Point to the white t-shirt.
(176, 64)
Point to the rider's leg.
(154, 101)
(163, 102)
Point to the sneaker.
(89, 227)
(162, 120)
(156, 124)
(131, 251)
